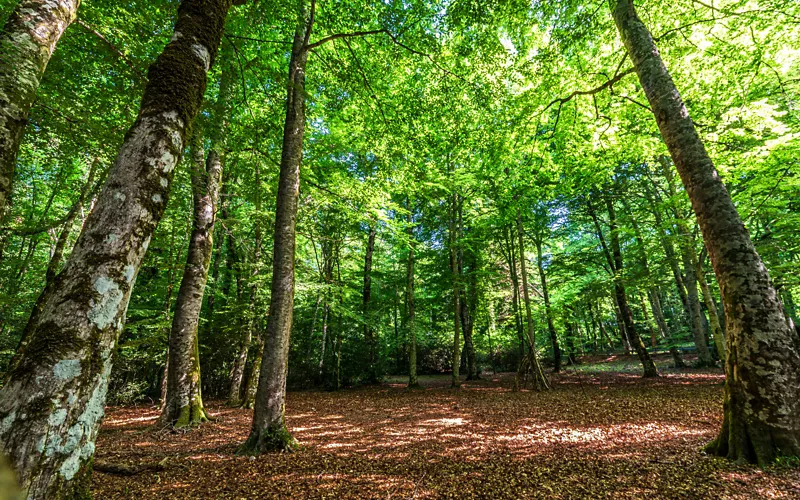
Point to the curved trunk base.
(187, 416)
(748, 441)
(273, 438)
(676, 358)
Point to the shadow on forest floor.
(599, 433)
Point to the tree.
(183, 402)
(27, 41)
(369, 334)
(762, 390)
(269, 431)
(56, 388)
(530, 363)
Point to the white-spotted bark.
(52, 403)
(183, 403)
(762, 389)
(27, 42)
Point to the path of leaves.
(596, 435)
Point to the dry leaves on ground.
(600, 434)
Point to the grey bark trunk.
(455, 381)
(762, 390)
(530, 363)
(269, 430)
(410, 311)
(27, 42)
(548, 310)
(369, 334)
(184, 402)
(52, 402)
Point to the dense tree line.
(224, 198)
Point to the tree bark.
(369, 334)
(269, 430)
(762, 390)
(410, 310)
(456, 361)
(52, 402)
(622, 299)
(548, 310)
(540, 381)
(27, 42)
(184, 401)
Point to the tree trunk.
(246, 326)
(622, 299)
(602, 328)
(456, 361)
(52, 402)
(548, 310)
(369, 334)
(410, 311)
(515, 302)
(251, 384)
(713, 317)
(184, 401)
(468, 313)
(540, 381)
(762, 390)
(689, 257)
(269, 430)
(27, 42)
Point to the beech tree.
(56, 387)
(762, 391)
(27, 42)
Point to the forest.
(399, 249)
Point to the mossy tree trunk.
(27, 42)
(269, 432)
(51, 405)
(762, 388)
(410, 311)
(183, 402)
(369, 333)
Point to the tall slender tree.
(183, 402)
(762, 390)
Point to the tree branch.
(113, 48)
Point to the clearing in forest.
(603, 432)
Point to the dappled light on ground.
(602, 434)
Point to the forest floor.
(602, 432)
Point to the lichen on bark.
(762, 386)
(50, 407)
